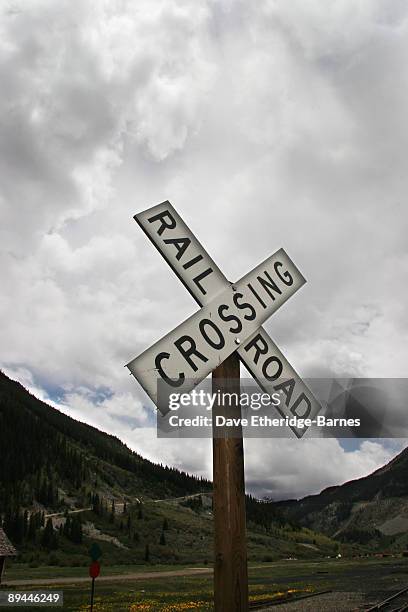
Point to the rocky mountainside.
(363, 510)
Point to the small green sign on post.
(95, 552)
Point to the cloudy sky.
(267, 124)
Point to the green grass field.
(162, 593)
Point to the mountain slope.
(45, 437)
(361, 510)
(64, 484)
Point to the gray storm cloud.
(266, 124)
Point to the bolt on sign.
(230, 319)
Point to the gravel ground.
(339, 601)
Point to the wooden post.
(230, 556)
(92, 593)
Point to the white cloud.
(267, 124)
(292, 469)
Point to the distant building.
(6, 550)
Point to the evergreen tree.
(112, 514)
(73, 529)
(96, 504)
(49, 538)
(32, 526)
(25, 525)
(76, 530)
(67, 527)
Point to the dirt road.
(188, 571)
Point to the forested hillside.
(64, 484)
(46, 447)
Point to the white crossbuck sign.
(230, 319)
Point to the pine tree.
(25, 525)
(32, 526)
(67, 527)
(147, 553)
(112, 514)
(49, 538)
(76, 530)
(19, 527)
(96, 504)
(162, 540)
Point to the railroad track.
(267, 603)
(396, 603)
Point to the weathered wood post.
(230, 555)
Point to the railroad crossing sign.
(229, 320)
(227, 327)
